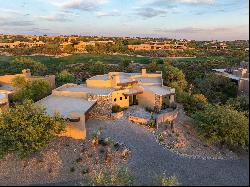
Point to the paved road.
(150, 159)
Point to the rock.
(125, 153)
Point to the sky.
(180, 19)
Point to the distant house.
(158, 46)
(6, 81)
(240, 75)
(95, 99)
(4, 101)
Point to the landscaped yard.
(70, 162)
(63, 160)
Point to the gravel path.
(149, 159)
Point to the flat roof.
(149, 80)
(65, 105)
(7, 88)
(3, 96)
(159, 90)
(224, 73)
(91, 90)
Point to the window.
(115, 100)
(126, 97)
(121, 98)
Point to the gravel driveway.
(149, 159)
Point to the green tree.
(216, 88)
(153, 66)
(26, 129)
(174, 77)
(98, 68)
(240, 104)
(191, 103)
(33, 90)
(224, 125)
(37, 68)
(64, 77)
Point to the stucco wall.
(76, 130)
(243, 87)
(168, 116)
(119, 99)
(98, 83)
(146, 99)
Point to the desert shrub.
(27, 128)
(223, 124)
(116, 109)
(33, 90)
(64, 77)
(151, 124)
(117, 177)
(192, 103)
(240, 104)
(170, 181)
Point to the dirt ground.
(64, 159)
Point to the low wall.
(117, 115)
(138, 119)
(168, 116)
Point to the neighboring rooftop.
(65, 105)
(230, 76)
(100, 77)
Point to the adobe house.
(4, 101)
(95, 99)
(240, 75)
(6, 81)
(157, 46)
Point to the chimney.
(26, 73)
(143, 72)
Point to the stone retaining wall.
(158, 102)
(103, 108)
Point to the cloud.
(16, 23)
(150, 12)
(226, 33)
(165, 2)
(82, 5)
(105, 14)
(54, 18)
(192, 30)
